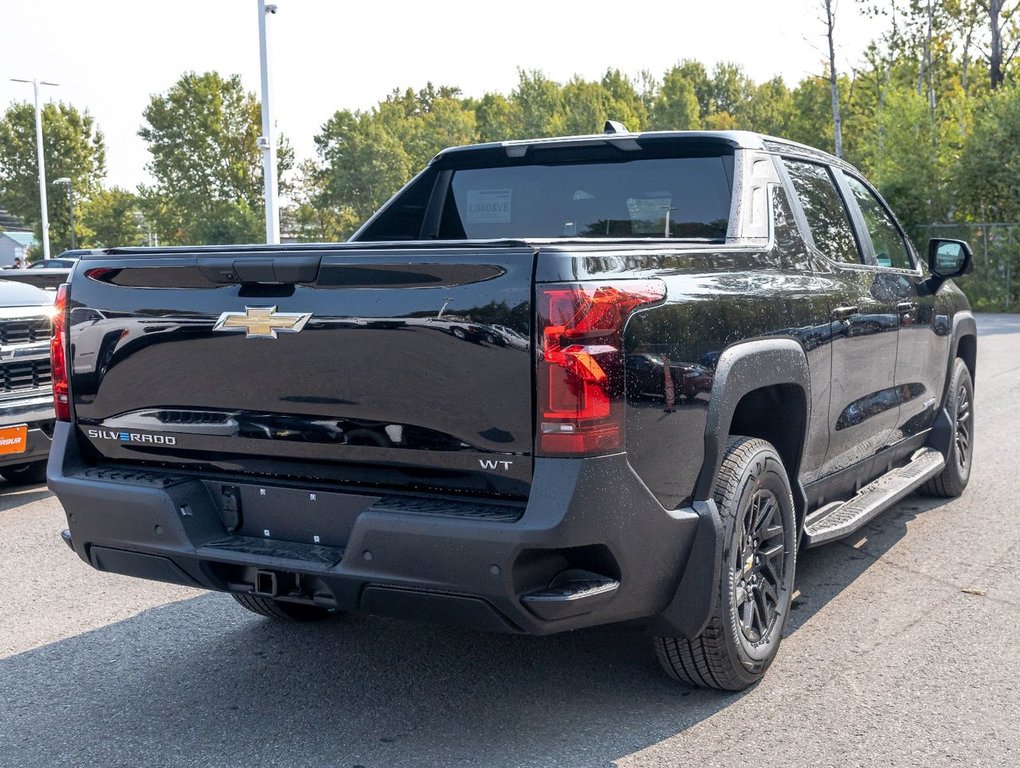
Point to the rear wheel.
(951, 481)
(742, 638)
(25, 474)
(278, 609)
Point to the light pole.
(42, 163)
(139, 220)
(70, 206)
(266, 141)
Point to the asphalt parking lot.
(903, 650)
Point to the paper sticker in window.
(650, 216)
(488, 206)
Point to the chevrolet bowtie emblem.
(262, 322)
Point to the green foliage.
(109, 218)
(207, 167)
(989, 169)
(73, 147)
(676, 107)
(540, 103)
(768, 108)
(623, 103)
(496, 117)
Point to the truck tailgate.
(382, 366)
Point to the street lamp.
(42, 164)
(140, 219)
(70, 205)
(266, 142)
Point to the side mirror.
(949, 258)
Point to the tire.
(278, 609)
(742, 637)
(33, 473)
(951, 481)
(459, 333)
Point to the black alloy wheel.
(742, 637)
(953, 478)
(964, 418)
(758, 574)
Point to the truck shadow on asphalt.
(200, 682)
(14, 496)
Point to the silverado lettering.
(132, 437)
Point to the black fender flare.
(941, 437)
(741, 369)
(964, 324)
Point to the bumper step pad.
(841, 518)
(241, 548)
(572, 593)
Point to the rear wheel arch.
(761, 389)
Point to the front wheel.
(753, 496)
(952, 480)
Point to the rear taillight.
(58, 358)
(581, 363)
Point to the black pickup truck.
(551, 384)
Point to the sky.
(110, 56)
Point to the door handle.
(906, 306)
(842, 313)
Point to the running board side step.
(841, 518)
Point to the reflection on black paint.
(877, 402)
(646, 377)
(303, 429)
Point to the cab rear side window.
(826, 214)
(890, 248)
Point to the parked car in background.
(26, 393)
(46, 273)
(53, 264)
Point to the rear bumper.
(418, 561)
(37, 413)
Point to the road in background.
(903, 650)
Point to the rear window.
(677, 197)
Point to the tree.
(694, 73)
(837, 128)
(496, 117)
(361, 165)
(1000, 13)
(989, 165)
(676, 106)
(540, 103)
(112, 217)
(73, 147)
(768, 108)
(730, 91)
(202, 136)
(623, 102)
(585, 106)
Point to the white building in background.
(14, 245)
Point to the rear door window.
(826, 214)
(676, 197)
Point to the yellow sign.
(14, 439)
